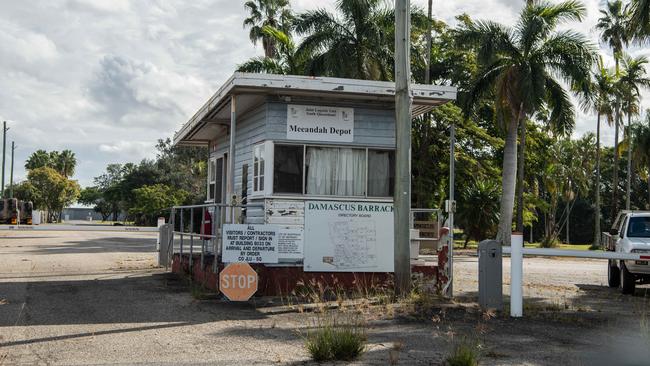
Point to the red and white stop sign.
(238, 281)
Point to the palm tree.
(272, 13)
(65, 163)
(285, 60)
(633, 77)
(38, 159)
(639, 25)
(476, 209)
(352, 44)
(521, 66)
(598, 98)
(357, 42)
(641, 150)
(613, 25)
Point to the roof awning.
(253, 89)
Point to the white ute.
(630, 233)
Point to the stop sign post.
(238, 281)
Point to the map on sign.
(250, 243)
(355, 243)
(348, 236)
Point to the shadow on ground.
(93, 246)
(153, 298)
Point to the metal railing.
(210, 242)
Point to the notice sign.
(348, 237)
(250, 243)
(319, 123)
(290, 242)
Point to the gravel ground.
(83, 298)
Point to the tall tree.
(38, 159)
(641, 150)
(357, 42)
(613, 25)
(639, 24)
(633, 77)
(285, 62)
(65, 162)
(52, 191)
(597, 97)
(521, 66)
(262, 13)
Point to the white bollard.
(161, 222)
(516, 275)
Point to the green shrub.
(463, 354)
(340, 342)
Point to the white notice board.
(250, 243)
(348, 237)
(320, 123)
(290, 243)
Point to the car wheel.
(613, 274)
(627, 280)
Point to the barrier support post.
(516, 274)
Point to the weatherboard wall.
(373, 127)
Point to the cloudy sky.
(107, 78)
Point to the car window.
(639, 227)
(621, 230)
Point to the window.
(258, 168)
(381, 173)
(288, 168)
(335, 171)
(244, 183)
(211, 179)
(218, 181)
(639, 227)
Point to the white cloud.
(108, 78)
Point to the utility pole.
(629, 164)
(427, 70)
(11, 175)
(4, 148)
(403, 147)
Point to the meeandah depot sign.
(320, 123)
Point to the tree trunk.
(648, 206)
(509, 178)
(568, 221)
(615, 172)
(629, 161)
(520, 178)
(597, 213)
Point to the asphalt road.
(79, 298)
(96, 298)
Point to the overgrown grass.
(464, 353)
(198, 291)
(334, 340)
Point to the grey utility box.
(490, 270)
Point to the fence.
(517, 252)
(183, 236)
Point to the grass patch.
(464, 353)
(333, 340)
(199, 292)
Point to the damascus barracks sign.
(250, 243)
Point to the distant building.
(84, 213)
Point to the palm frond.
(562, 119)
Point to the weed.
(393, 353)
(198, 291)
(464, 353)
(549, 242)
(333, 340)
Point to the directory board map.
(348, 237)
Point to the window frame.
(211, 179)
(271, 156)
